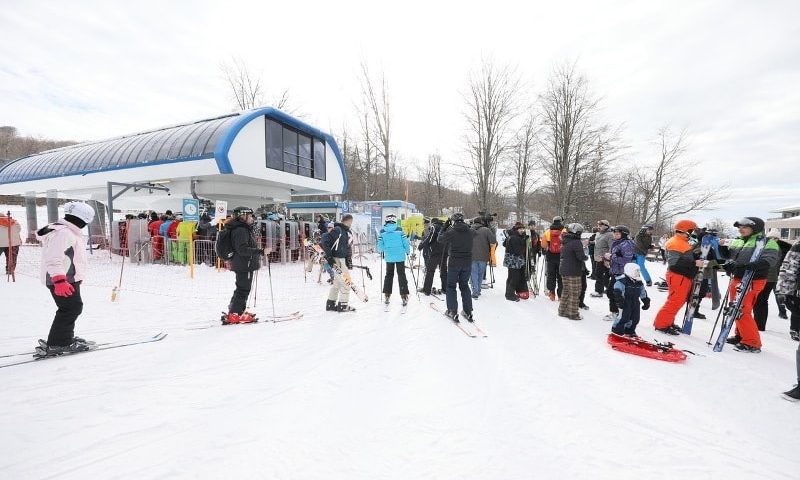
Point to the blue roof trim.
(313, 205)
(393, 203)
(121, 167)
(224, 145)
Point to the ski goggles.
(745, 222)
(391, 218)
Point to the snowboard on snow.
(636, 346)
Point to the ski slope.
(374, 395)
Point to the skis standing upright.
(697, 284)
(734, 309)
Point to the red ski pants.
(679, 288)
(746, 325)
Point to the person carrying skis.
(10, 240)
(644, 242)
(514, 261)
(740, 252)
(431, 244)
(572, 267)
(628, 292)
(602, 246)
(551, 244)
(788, 288)
(338, 251)
(481, 249)
(458, 243)
(394, 246)
(64, 265)
(682, 266)
(245, 261)
(623, 252)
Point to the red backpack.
(555, 241)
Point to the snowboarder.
(572, 268)
(551, 244)
(394, 246)
(338, 251)
(10, 240)
(245, 261)
(63, 269)
(628, 292)
(747, 338)
(458, 242)
(514, 261)
(788, 288)
(431, 245)
(644, 242)
(481, 249)
(623, 252)
(602, 245)
(682, 266)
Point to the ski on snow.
(460, 325)
(268, 319)
(94, 348)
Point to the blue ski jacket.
(393, 243)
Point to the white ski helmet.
(632, 271)
(575, 228)
(80, 210)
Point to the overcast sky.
(727, 71)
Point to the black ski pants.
(388, 280)
(69, 308)
(431, 264)
(554, 283)
(244, 282)
(601, 273)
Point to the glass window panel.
(306, 172)
(274, 145)
(289, 163)
(319, 159)
(289, 141)
(304, 146)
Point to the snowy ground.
(375, 395)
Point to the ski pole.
(719, 314)
(416, 287)
(255, 290)
(271, 291)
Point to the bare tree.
(569, 137)
(376, 100)
(247, 89)
(522, 165)
(492, 98)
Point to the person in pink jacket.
(63, 269)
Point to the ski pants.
(458, 275)
(476, 277)
(69, 308)
(640, 260)
(600, 277)
(679, 289)
(11, 254)
(612, 303)
(339, 290)
(746, 326)
(554, 282)
(430, 270)
(515, 283)
(388, 280)
(761, 308)
(244, 282)
(568, 302)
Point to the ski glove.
(348, 261)
(330, 261)
(729, 267)
(645, 303)
(792, 303)
(62, 287)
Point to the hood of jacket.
(390, 227)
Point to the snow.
(376, 395)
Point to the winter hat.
(78, 213)
(632, 271)
(774, 233)
(575, 228)
(604, 222)
(753, 222)
(625, 231)
(391, 218)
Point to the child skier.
(623, 252)
(682, 266)
(628, 291)
(63, 269)
(394, 245)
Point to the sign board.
(191, 210)
(377, 218)
(345, 206)
(220, 209)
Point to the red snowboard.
(644, 348)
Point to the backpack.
(555, 241)
(224, 246)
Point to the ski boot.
(595, 295)
(671, 330)
(743, 347)
(386, 303)
(611, 317)
(422, 291)
(82, 341)
(793, 395)
(734, 340)
(330, 306)
(452, 315)
(404, 308)
(699, 315)
(583, 306)
(782, 314)
(551, 295)
(230, 318)
(795, 335)
(44, 350)
(247, 317)
(343, 307)
(468, 316)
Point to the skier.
(394, 246)
(481, 249)
(458, 243)
(628, 291)
(644, 242)
(63, 269)
(682, 266)
(431, 244)
(623, 252)
(534, 250)
(788, 288)
(514, 261)
(602, 245)
(245, 261)
(10, 240)
(572, 267)
(338, 251)
(751, 229)
(551, 244)
(761, 308)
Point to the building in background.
(788, 223)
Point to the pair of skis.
(348, 280)
(268, 319)
(93, 348)
(467, 328)
(697, 285)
